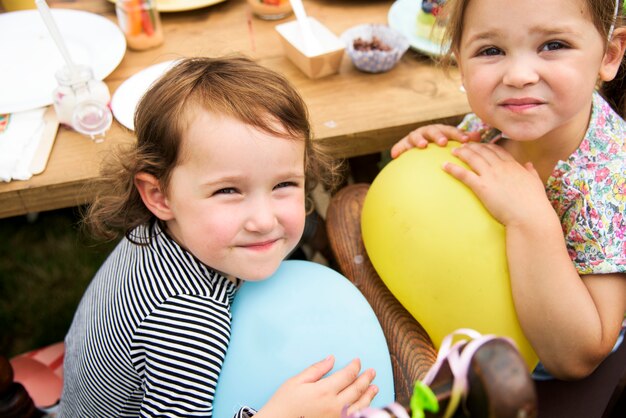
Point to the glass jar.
(81, 101)
(270, 9)
(141, 23)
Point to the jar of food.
(81, 101)
(141, 23)
(270, 9)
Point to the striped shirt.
(150, 334)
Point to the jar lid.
(91, 118)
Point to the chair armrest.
(412, 352)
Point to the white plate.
(182, 5)
(30, 57)
(402, 17)
(127, 96)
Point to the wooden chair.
(500, 385)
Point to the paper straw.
(46, 15)
(311, 44)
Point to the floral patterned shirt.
(588, 192)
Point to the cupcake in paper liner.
(374, 48)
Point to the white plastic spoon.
(311, 44)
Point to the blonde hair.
(234, 86)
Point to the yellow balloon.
(438, 249)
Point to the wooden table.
(353, 112)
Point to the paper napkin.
(20, 134)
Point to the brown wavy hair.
(234, 86)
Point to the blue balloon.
(300, 315)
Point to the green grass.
(45, 266)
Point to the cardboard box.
(315, 61)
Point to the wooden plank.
(40, 159)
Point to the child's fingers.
(477, 156)
(360, 391)
(365, 400)
(465, 176)
(437, 134)
(431, 133)
(493, 150)
(343, 378)
(441, 134)
(415, 139)
(401, 146)
(316, 371)
(481, 157)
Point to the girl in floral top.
(547, 158)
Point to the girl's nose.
(261, 216)
(520, 72)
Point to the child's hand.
(310, 395)
(438, 134)
(513, 193)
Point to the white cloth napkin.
(19, 142)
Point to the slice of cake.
(430, 22)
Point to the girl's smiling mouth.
(260, 246)
(521, 104)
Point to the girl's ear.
(153, 197)
(613, 55)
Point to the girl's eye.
(553, 46)
(490, 51)
(285, 184)
(226, 190)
